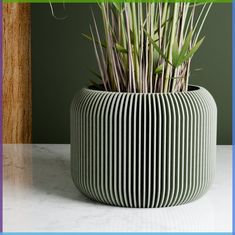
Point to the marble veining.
(39, 195)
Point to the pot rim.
(195, 88)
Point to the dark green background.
(61, 59)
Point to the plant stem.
(173, 30)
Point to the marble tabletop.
(39, 196)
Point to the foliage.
(147, 47)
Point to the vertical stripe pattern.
(143, 150)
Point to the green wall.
(61, 59)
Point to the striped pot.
(143, 150)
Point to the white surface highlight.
(39, 195)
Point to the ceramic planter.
(143, 150)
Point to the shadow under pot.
(143, 150)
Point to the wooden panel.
(17, 94)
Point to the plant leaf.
(96, 74)
(120, 48)
(155, 58)
(184, 49)
(156, 47)
(194, 49)
(175, 53)
(158, 69)
(117, 6)
(91, 39)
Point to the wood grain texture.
(17, 91)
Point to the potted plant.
(143, 137)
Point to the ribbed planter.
(143, 150)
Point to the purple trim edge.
(1, 153)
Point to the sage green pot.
(143, 150)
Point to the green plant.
(147, 47)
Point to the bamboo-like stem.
(131, 63)
(148, 47)
(189, 62)
(175, 15)
(104, 65)
(141, 47)
(151, 29)
(135, 44)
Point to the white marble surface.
(39, 195)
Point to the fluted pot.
(143, 150)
